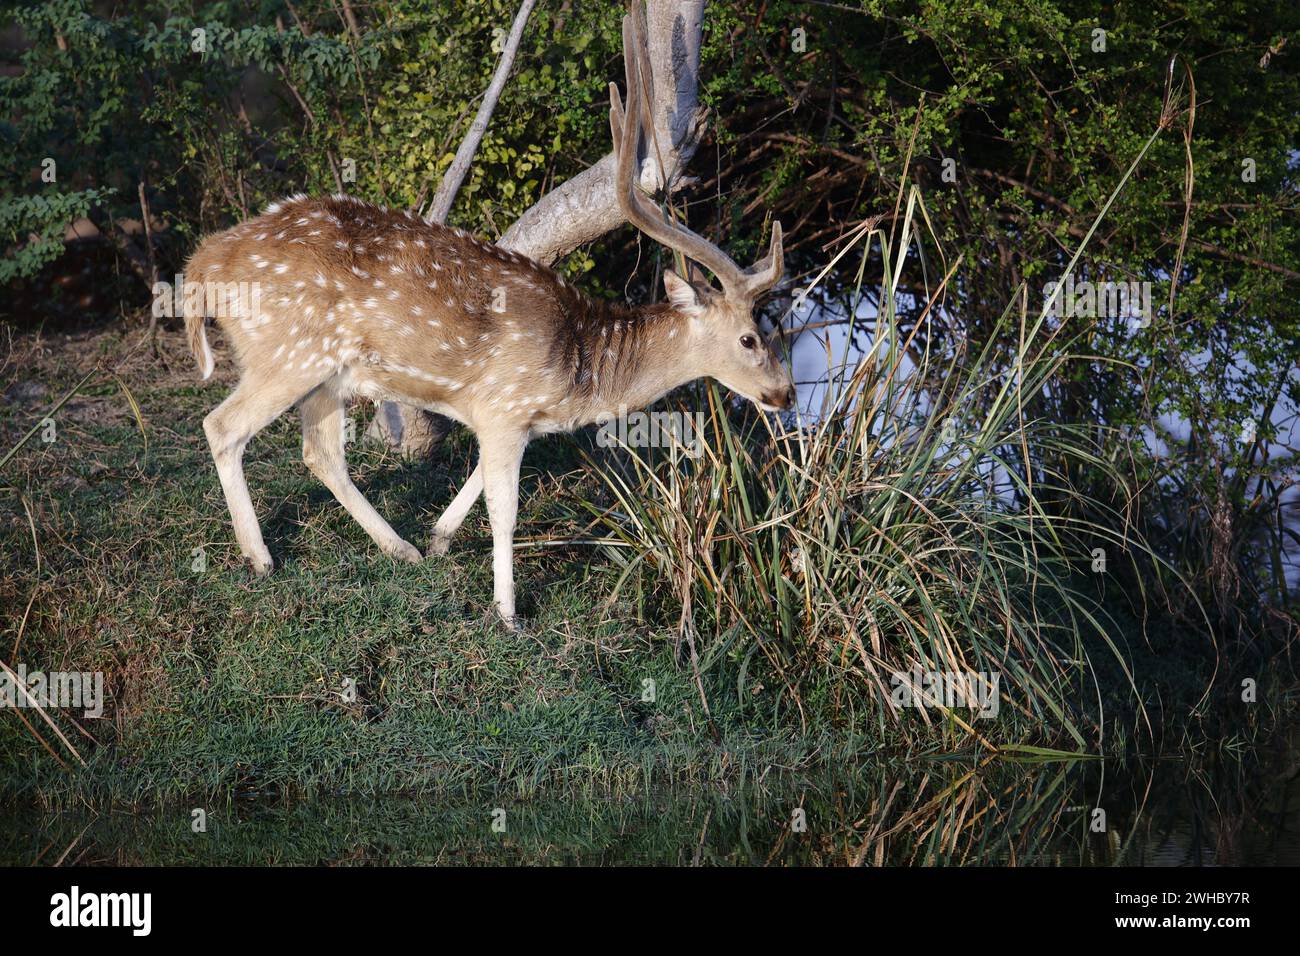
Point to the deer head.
(722, 331)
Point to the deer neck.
(639, 354)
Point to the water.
(1220, 811)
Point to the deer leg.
(455, 514)
(324, 455)
(500, 457)
(254, 404)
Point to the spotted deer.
(356, 299)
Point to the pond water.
(1223, 810)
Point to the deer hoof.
(514, 623)
(403, 551)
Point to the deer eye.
(748, 341)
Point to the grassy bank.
(221, 683)
(119, 558)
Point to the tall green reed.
(925, 520)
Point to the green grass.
(222, 686)
(220, 683)
(871, 541)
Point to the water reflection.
(1222, 811)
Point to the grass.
(939, 515)
(220, 683)
(224, 686)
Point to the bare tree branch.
(441, 204)
(125, 245)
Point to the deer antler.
(626, 128)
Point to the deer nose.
(782, 399)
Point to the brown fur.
(321, 299)
(400, 308)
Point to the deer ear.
(681, 293)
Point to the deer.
(352, 299)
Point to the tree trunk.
(412, 431)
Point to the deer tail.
(195, 309)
